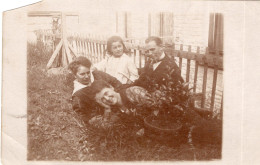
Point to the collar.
(157, 63)
(92, 69)
(160, 59)
(162, 56)
(111, 56)
(78, 85)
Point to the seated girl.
(118, 64)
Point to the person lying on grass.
(125, 99)
(82, 96)
(135, 99)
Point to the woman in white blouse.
(118, 64)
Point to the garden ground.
(56, 132)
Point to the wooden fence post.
(214, 85)
(204, 84)
(188, 66)
(196, 69)
(180, 58)
(64, 36)
(54, 55)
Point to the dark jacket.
(148, 75)
(83, 101)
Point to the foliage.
(171, 95)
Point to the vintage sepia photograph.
(120, 81)
(129, 81)
(123, 85)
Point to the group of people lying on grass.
(115, 85)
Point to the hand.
(107, 113)
(129, 81)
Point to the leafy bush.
(171, 95)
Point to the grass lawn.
(56, 132)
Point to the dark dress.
(83, 101)
(148, 76)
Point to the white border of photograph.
(241, 74)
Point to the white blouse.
(122, 68)
(78, 85)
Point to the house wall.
(186, 29)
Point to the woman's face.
(108, 96)
(83, 75)
(117, 49)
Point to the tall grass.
(56, 132)
(52, 131)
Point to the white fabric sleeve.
(133, 72)
(101, 66)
